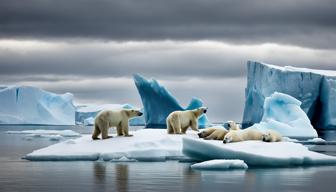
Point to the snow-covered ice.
(145, 145)
(255, 153)
(283, 114)
(86, 114)
(31, 105)
(157, 145)
(158, 103)
(220, 164)
(314, 88)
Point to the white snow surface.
(220, 164)
(145, 145)
(255, 153)
(46, 133)
(330, 73)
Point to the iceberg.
(255, 153)
(220, 164)
(282, 113)
(86, 114)
(314, 88)
(31, 105)
(158, 103)
(145, 145)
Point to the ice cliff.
(30, 105)
(158, 103)
(316, 89)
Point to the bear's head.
(200, 111)
(231, 125)
(132, 113)
(228, 137)
(266, 137)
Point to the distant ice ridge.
(31, 105)
(283, 114)
(86, 114)
(52, 135)
(158, 103)
(316, 89)
(255, 153)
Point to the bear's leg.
(177, 127)
(169, 128)
(194, 125)
(96, 132)
(120, 130)
(212, 136)
(124, 126)
(105, 132)
(184, 129)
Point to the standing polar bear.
(108, 118)
(179, 121)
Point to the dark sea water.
(21, 175)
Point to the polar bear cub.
(213, 133)
(108, 118)
(179, 121)
(243, 135)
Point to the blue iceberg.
(31, 105)
(158, 103)
(282, 113)
(315, 89)
(87, 113)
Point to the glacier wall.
(31, 105)
(158, 103)
(314, 88)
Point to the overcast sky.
(196, 48)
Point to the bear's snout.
(204, 111)
(140, 113)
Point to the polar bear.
(179, 121)
(108, 118)
(232, 125)
(271, 136)
(213, 133)
(243, 135)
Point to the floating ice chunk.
(158, 103)
(255, 153)
(220, 164)
(145, 145)
(314, 88)
(123, 159)
(43, 132)
(283, 114)
(31, 105)
(86, 114)
(317, 140)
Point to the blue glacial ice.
(31, 105)
(85, 114)
(314, 88)
(283, 114)
(158, 103)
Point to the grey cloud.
(167, 59)
(304, 22)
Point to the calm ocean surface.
(21, 175)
